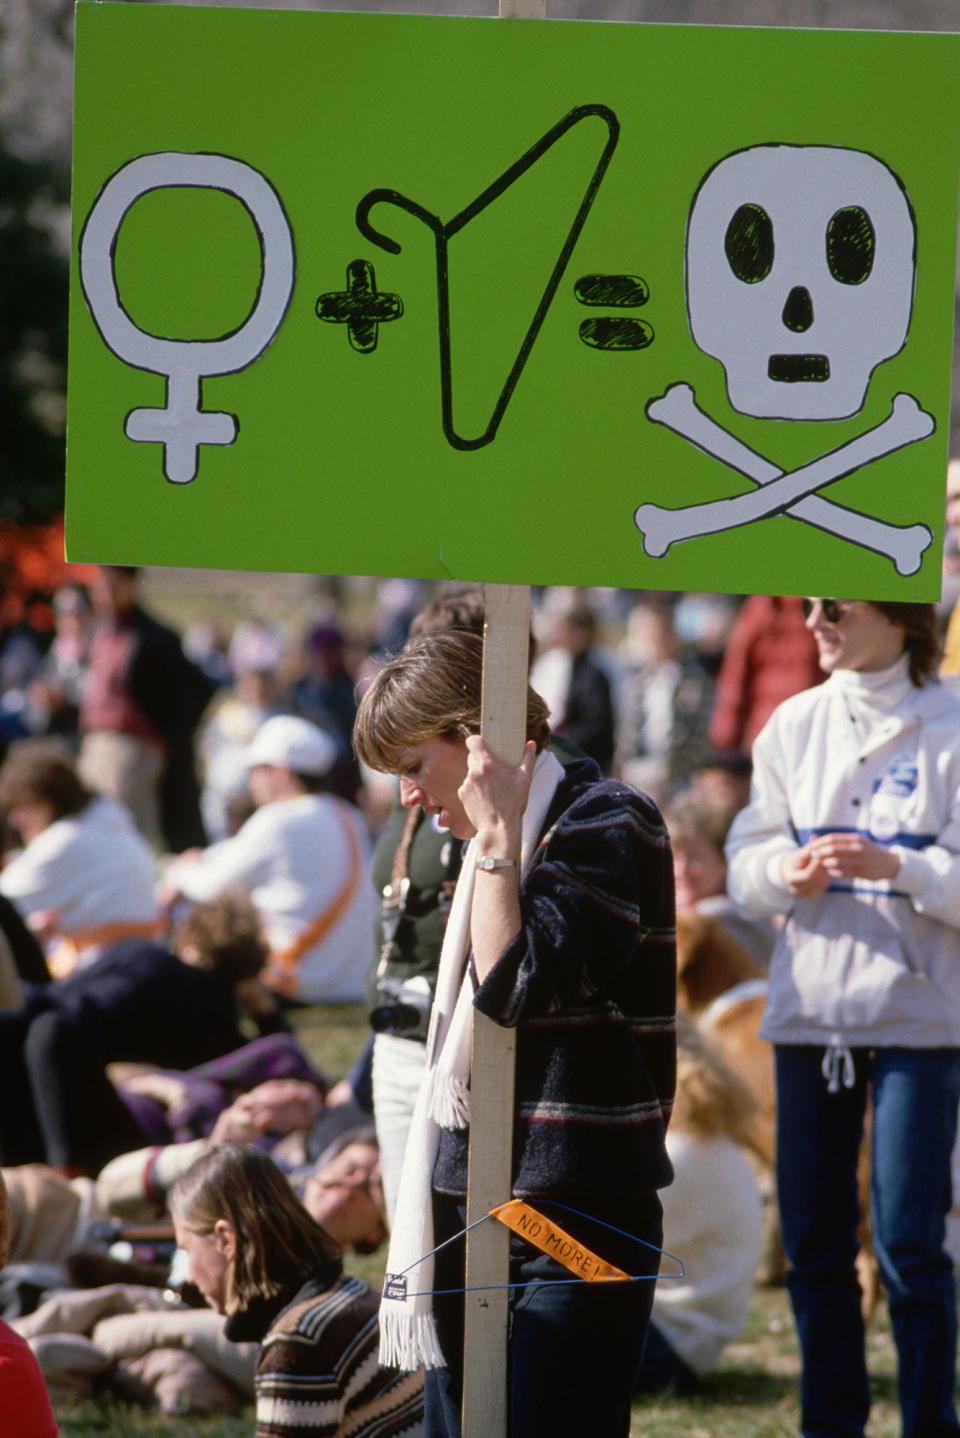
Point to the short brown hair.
(458, 606)
(453, 606)
(42, 771)
(431, 690)
(921, 639)
(227, 933)
(278, 1244)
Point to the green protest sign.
(652, 306)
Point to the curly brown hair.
(226, 934)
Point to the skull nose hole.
(798, 311)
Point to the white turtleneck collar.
(871, 696)
(878, 688)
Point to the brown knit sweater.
(317, 1372)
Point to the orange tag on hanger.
(552, 1240)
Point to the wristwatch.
(488, 863)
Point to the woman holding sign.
(562, 926)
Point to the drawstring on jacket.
(837, 1056)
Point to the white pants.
(398, 1068)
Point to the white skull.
(800, 275)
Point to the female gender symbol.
(181, 426)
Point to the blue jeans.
(915, 1096)
(574, 1348)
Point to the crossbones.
(786, 492)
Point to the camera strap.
(394, 899)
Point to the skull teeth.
(798, 369)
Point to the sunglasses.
(832, 610)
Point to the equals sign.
(618, 292)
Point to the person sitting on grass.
(138, 1003)
(327, 1150)
(303, 856)
(84, 877)
(256, 1255)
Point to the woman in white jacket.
(853, 832)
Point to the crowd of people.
(724, 808)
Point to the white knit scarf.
(408, 1335)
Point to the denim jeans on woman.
(574, 1347)
(915, 1093)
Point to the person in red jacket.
(769, 655)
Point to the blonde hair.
(278, 1243)
(709, 960)
(697, 816)
(711, 1099)
(431, 690)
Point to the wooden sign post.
(506, 649)
(506, 652)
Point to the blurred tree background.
(33, 340)
(36, 56)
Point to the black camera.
(403, 1007)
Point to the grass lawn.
(754, 1392)
(752, 1395)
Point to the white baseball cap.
(292, 743)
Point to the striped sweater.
(317, 1373)
(590, 984)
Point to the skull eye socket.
(749, 244)
(851, 243)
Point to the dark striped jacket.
(590, 984)
(317, 1372)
